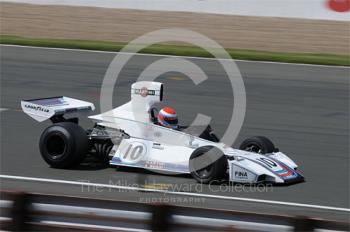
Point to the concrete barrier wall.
(303, 9)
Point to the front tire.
(258, 144)
(207, 164)
(63, 145)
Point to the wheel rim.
(55, 146)
(206, 171)
(253, 148)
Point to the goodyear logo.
(37, 108)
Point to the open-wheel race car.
(130, 136)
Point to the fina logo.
(242, 175)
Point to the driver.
(167, 117)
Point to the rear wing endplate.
(46, 108)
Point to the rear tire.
(207, 164)
(258, 144)
(63, 145)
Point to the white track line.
(77, 183)
(3, 109)
(159, 55)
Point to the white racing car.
(129, 136)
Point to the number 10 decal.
(132, 152)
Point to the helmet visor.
(171, 121)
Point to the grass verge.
(179, 50)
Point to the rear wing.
(47, 108)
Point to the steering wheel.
(153, 113)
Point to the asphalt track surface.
(303, 109)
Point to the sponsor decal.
(241, 175)
(144, 92)
(37, 108)
(154, 164)
(157, 146)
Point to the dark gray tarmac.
(303, 109)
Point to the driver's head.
(167, 117)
